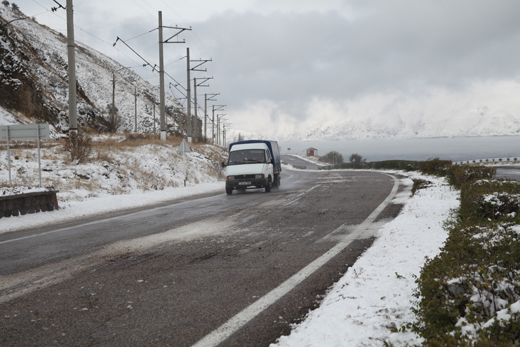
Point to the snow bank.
(375, 294)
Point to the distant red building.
(312, 152)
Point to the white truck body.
(249, 166)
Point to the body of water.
(447, 148)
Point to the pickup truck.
(253, 164)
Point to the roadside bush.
(419, 184)
(435, 167)
(79, 146)
(460, 174)
(489, 200)
(469, 295)
(406, 165)
(462, 290)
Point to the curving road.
(232, 270)
(510, 172)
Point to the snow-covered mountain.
(33, 88)
(477, 108)
(34, 82)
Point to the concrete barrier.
(20, 204)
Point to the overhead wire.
(124, 54)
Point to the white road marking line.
(242, 318)
(298, 197)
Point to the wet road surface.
(511, 172)
(175, 274)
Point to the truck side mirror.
(272, 161)
(223, 164)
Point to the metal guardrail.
(507, 160)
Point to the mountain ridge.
(34, 82)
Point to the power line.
(147, 63)
(153, 16)
(139, 35)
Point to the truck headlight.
(260, 176)
(230, 178)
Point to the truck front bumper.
(244, 183)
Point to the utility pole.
(135, 102)
(161, 71)
(113, 111)
(196, 107)
(206, 99)
(188, 94)
(219, 117)
(219, 108)
(162, 107)
(195, 85)
(73, 112)
(191, 128)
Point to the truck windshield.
(247, 156)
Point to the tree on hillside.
(5, 3)
(114, 120)
(334, 157)
(357, 160)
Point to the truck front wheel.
(229, 191)
(269, 185)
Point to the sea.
(446, 148)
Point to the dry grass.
(124, 163)
(136, 140)
(28, 144)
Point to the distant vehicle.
(253, 164)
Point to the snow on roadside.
(313, 160)
(375, 294)
(108, 203)
(113, 179)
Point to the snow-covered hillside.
(128, 169)
(34, 82)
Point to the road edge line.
(227, 329)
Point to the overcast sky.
(292, 61)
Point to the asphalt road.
(511, 172)
(173, 275)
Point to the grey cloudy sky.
(289, 59)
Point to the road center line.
(242, 318)
(298, 197)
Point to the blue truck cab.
(253, 164)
